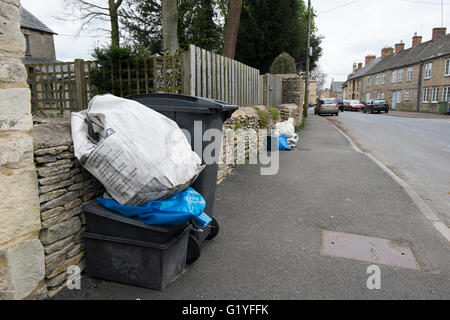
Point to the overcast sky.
(352, 29)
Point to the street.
(415, 149)
(271, 240)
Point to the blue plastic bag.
(178, 209)
(283, 144)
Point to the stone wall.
(251, 118)
(290, 110)
(21, 253)
(64, 187)
(293, 89)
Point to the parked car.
(353, 105)
(340, 102)
(327, 106)
(376, 106)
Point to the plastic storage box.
(137, 263)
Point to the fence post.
(80, 80)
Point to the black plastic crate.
(137, 263)
(108, 223)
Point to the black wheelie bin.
(186, 111)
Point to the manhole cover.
(370, 249)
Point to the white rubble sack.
(138, 154)
(285, 128)
(292, 142)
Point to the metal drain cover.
(369, 249)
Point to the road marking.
(423, 207)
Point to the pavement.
(406, 114)
(270, 242)
(416, 149)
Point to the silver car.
(327, 106)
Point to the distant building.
(312, 91)
(415, 79)
(325, 94)
(40, 45)
(336, 89)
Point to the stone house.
(415, 79)
(336, 89)
(40, 45)
(312, 92)
(352, 87)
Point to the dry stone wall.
(250, 118)
(290, 110)
(64, 187)
(293, 89)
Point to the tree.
(199, 23)
(169, 19)
(142, 26)
(89, 12)
(283, 64)
(269, 28)
(232, 28)
(206, 33)
(320, 77)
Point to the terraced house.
(415, 79)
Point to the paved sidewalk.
(270, 242)
(406, 114)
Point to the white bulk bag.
(285, 128)
(138, 154)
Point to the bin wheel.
(214, 229)
(194, 249)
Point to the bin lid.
(137, 243)
(95, 208)
(182, 103)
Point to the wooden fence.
(210, 75)
(68, 86)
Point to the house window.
(446, 94)
(435, 95)
(447, 67)
(407, 95)
(400, 75)
(377, 79)
(382, 96)
(383, 78)
(368, 81)
(27, 44)
(367, 96)
(394, 76)
(409, 74)
(428, 69)
(426, 95)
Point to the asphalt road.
(270, 242)
(416, 149)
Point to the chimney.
(399, 47)
(360, 65)
(439, 32)
(387, 51)
(354, 66)
(370, 58)
(416, 40)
